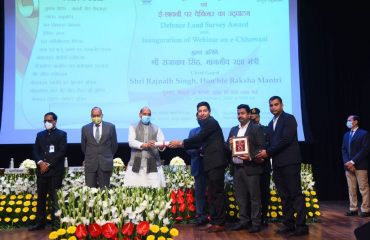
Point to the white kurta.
(142, 178)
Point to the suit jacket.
(99, 154)
(211, 139)
(196, 159)
(283, 142)
(55, 158)
(256, 142)
(359, 149)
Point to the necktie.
(97, 133)
(274, 123)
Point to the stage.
(333, 225)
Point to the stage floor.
(333, 225)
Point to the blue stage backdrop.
(68, 56)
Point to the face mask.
(48, 125)
(349, 124)
(96, 120)
(145, 119)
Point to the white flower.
(177, 161)
(151, 216)
(58, 213)
(166, 221)
(28, 164)
(85, 220)
(65, 219)
(94, 190)
(117, 162)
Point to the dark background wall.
(335, 74)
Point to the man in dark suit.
(49, 152)
(99, 144)
(247, 171)
(286, 163)
(200, 180)
(266, 174)
(211, 139)
(355, 150)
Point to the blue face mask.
(349, 124)
(145, 119)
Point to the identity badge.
(51, 149)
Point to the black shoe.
(254, 229)
(238, 227)
(300, 231)
(364, 214)
(351, 213)
(37, 227)
(285, 229)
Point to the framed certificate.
(240, 146)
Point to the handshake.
(162, 144)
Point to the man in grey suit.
(247, 170)
(99, 144)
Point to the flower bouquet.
(29, 165)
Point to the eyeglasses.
(49, 121)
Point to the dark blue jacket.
(283, 142)
(359, 149)
(196, 159)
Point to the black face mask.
(253, 120)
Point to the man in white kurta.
(145, 140)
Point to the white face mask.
(48, 125)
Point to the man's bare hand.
(44, 167)
(262, 154)
(149, 144)
(245, 157)
(175, 144)
(350, 167)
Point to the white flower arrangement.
(117, 162)
(17, 184)
(178, 178)
(308, 182)
(177, 161)
(120, 205)
(28, 164)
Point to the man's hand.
(245, 157)
(231, 141)
(149, 144)
(262, 154)
(175, 144)
(350, 167)
(44, 167)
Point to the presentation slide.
(67, 56)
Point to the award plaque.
(240, 146)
